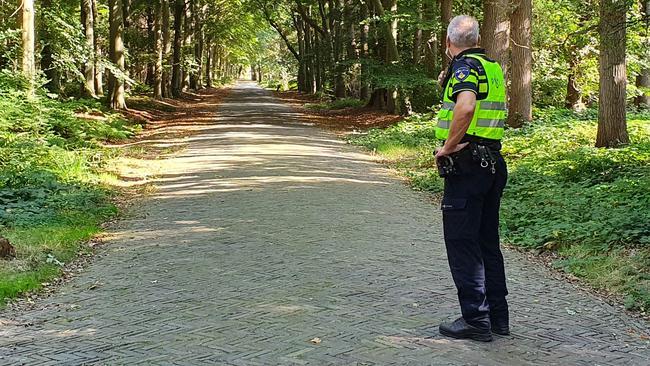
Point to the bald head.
(463, 31)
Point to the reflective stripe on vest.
(489, 114)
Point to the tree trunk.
(365, 29)
(28, 63)
(99, 80)
(196, 80)
(430, 41)
(116, 82)
(612, 126)
(417, 37)
(520, 109)
(318, 62)
(87, 19)
(446, 9)
(495, 33)
(158, 50)
(643, 79)
(573, 95)
(337, 46)
(188, 30)
(208, 63)
(179, 11)
(391, 56)
(310, 82)
(167, 47)
(53, 83)
(150, 77)
(299, 24)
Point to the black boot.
(461, 330)
(500, 326)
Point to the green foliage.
(562, 192)
(51, 197)
(337, 104)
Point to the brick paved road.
(265, 234)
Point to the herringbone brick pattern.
(265, 234)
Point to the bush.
(337, 104)
(51, 196)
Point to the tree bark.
(53, 83)
(520, 108)
(179, 11)
(391, 56)
(337, 47)
(167, 48)
(196, 79)
(417, 37)
(188, 30)
(310, 82)
(430, 41)
(158, 50)
(365, 29)
(495, 33)
(302, 65)
(643, 79)
(116, 82)
(209, 62)
(150, 77)
(87, 21)
(28, 35)
(612, 126)
(99, 80)
(446, 9)
(573, 95)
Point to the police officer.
(471, 124)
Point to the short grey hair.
(463, 31)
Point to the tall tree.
(430, 40)
(520, 108)
(365, 29)
(391, 55)
(87, 22)
(495, 32)
(116, 99)
(28, 40)
(612, 126)
(99, 83)
(188, 32)
(167, 48)
(446, 9)
(53, 83)
(643, 79)
(158, 49)
(177, 73)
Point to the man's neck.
(467, 50)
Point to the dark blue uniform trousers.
(470, 212)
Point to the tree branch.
(308, 19)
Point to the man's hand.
(447, 150)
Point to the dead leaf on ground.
(95, 285)
(316, 340)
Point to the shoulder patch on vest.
(462, 73)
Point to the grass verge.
(589, 206)
(53, 181)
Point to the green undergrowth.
(591, 206)
(52, 195)
(336, 104)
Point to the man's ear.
(448, 42)
(478, 43)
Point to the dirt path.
(266, 233)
